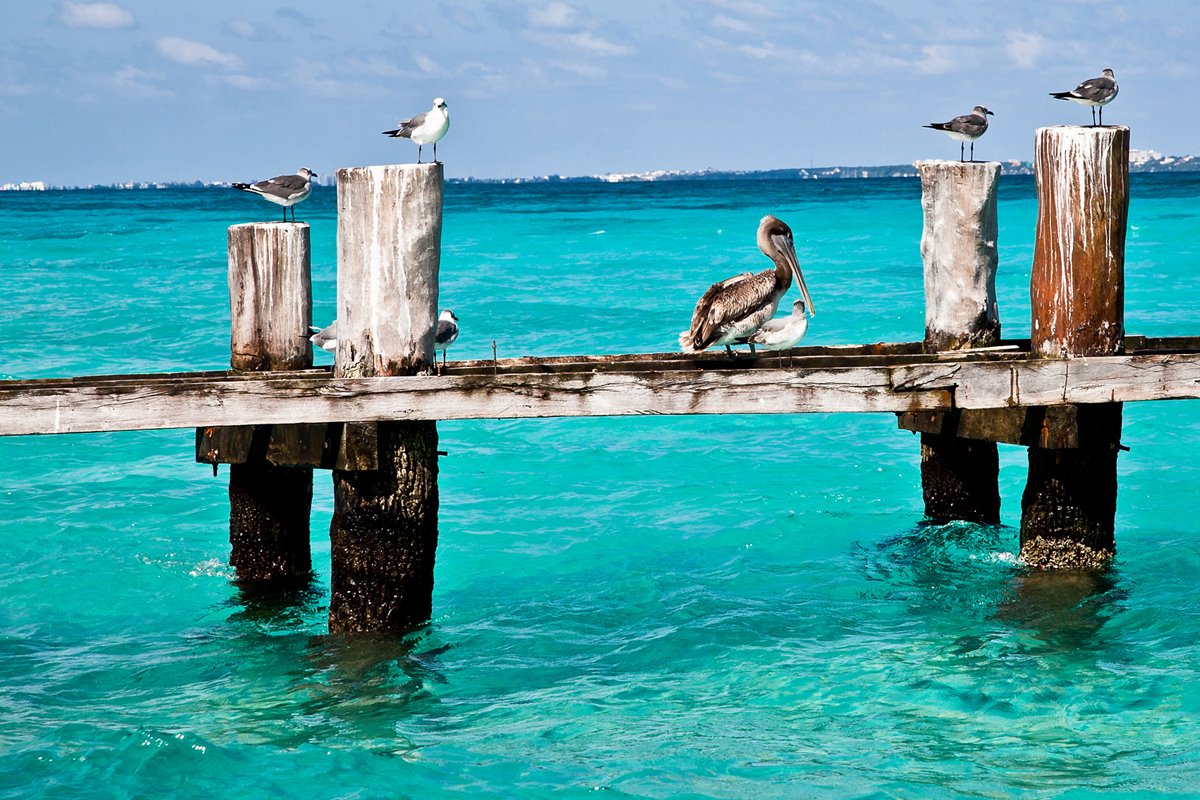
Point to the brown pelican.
(732, 310)
(283, 190)
(964, 128)
(1094, 92)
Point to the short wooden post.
(1078, 304)
(384, 529)
(959, 477)
(270, 298)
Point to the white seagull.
(325, 338)
(447, 333)
(965, 128)
(283, 190)
(1095, 92)
(425, 128)
(782, 333)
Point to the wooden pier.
(372, 417)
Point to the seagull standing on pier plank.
(782, 333)
(425, 128)
(965, 128)
(733, 309)
(1094, 92)
(283, 190)
(324, 338)
(447, 333)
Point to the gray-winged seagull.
(283, 190)
(1095, 92)
(425, 128)
(447, 333)
(965, 128)
(782, 333)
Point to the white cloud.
(374, 65)
(729, 23)
(746, 8)
(239, 27)
(1025, 48)
(555, 15)
(427, 64)
(583, 40)
(938, 59)
(586, 71)
(317, 78)
(246, 83)
(196, 54)
(97, 16)
(138, 83)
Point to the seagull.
(733, 309)
(782, 333)
(425, 128)
(1095, 92)
(325, 338)
(447, 333)
(966, 128)
(283, 190)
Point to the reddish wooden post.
(270, 298)
(959, 477)
(1077, 295)
(384, 529)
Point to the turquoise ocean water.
(742, 607)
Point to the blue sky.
(231, 90)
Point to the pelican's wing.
(728, 301)
(446, 332)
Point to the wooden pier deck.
(861, 378)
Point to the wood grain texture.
(270, 296)
(108, 403)
(958, 250)
(1077, 284)
(389, 250)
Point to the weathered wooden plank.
(1034, 426)
(285, 398)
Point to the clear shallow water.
(674, 607)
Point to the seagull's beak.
(785, 246)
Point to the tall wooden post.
(959, 477)
(1078, 303)
(384, 529)
(270, 298)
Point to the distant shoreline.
(1140, 161)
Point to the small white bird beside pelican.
(732, 310)
(782, 333)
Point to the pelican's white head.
(448, 316)
(305, 172)
(439, 103)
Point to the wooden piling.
(270, 298)
(384, 529)
(959, 476)
(1077, 296)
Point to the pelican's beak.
(786, 247)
